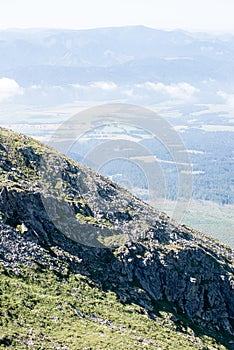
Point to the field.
(208, 217)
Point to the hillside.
(86, 265)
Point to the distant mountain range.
(124, 55)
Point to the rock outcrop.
(58, 213)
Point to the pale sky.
(193, 15)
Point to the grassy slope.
(41, 309)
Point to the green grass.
(41, 309)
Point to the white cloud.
(104, 85)
(180, 90)
(9, 88)
(228, 98)
(78, 86)
(36, 87)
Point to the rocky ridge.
(57, 213)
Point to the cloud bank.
(178, 91)
(9, 88)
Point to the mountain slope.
(61, 221)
